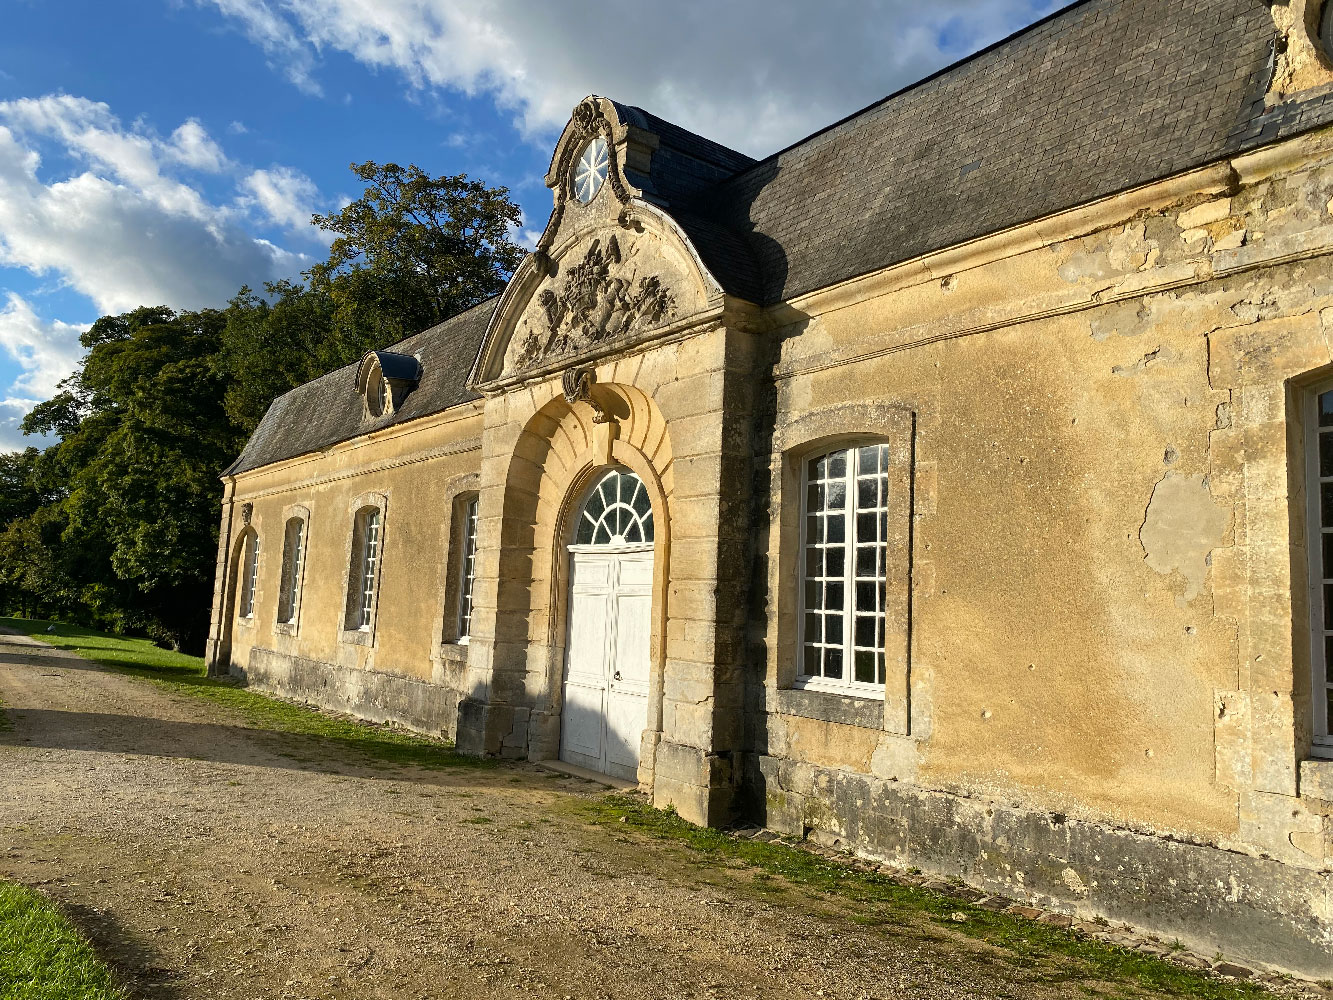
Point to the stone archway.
(559, 450)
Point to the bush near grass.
(43, 956)
(187, 675)
(882, 900)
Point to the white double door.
(606, 658)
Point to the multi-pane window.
(370, 556)
(1319, 470)
(251, 577)
(468, 570)
(618, 511)
(844, 547)
(293, 556)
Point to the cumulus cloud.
(47, 351)
(125, 231)
(748, 73)
(119, 214)
(285, 196)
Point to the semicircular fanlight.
(618, 511)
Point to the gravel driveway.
(207, 859)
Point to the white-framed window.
(844, 547)
(370, 557)
(293, 562)
(1319, 491)
(250, 579)
(467, 569)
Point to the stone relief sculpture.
(596, 302)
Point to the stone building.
(954, 486)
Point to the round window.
(1326, 30)
(375, 393)
(591, 169)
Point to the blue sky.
(168, 151)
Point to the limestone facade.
(1098, 677)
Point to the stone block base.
(699, 785)
(1258, 910)
(366, 694)
(492, 730)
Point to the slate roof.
(323, 412)
(1099, 97)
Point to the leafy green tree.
(116, 525)
(413, 250)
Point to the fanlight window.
(618, 511)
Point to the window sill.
(357, 637)
(246, 622)
(284, 628)
(864, 712)
(1317, 779)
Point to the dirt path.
(210, 860)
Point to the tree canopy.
(116, 523)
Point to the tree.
(413, 250)
(116, 525)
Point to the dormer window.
(384, 380)
(591, 169)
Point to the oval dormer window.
(591, 169)
(1326, 30)
(375, 393)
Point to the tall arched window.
(1319, 491)
(249, 576)
(844, 532)
(293, 563)
(618, 511)
(364, 571)
(467, 567)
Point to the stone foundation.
(1213, 900)
(367, 694)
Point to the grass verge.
(187, 675)
(881, 900)
(44, 957)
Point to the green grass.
(881, 901)
(187, 675)
(43, 956)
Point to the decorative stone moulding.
(384, 380)
(1303, 48)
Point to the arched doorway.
(608, 649)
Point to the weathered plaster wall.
(1108, 562)
(420, 469)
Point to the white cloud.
(12, 412)
(125, 231)
(194, 147)
(285, 196)
(272, 32)
(46, 351)
(119, 216)
(747, 73)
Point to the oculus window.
(844, 547)
(591, 169)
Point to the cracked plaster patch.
(1182, 525)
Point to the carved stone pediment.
(606, 290)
